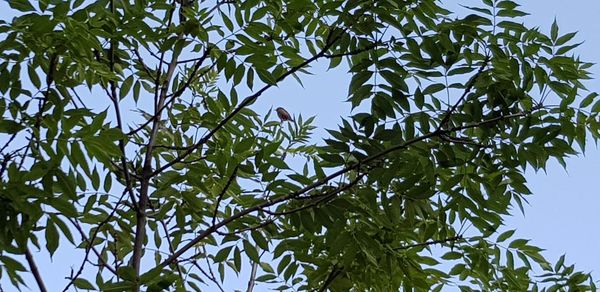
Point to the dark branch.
(222, 193)
(90, 245)
(92, 239)
(35, 271)
(468, 88)
(335, 271)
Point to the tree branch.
(159, 100)
(92, 239)
(468, 88)
(90, 245)
(332, 275)
(34, 270)
(252, 279)
(220, 196)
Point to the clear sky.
(562, 214)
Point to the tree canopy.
(128, 132)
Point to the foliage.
(128, 132)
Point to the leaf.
(588, 99)
(452, 255)
(10, 127)
(251, 251)
(283, 263)
(83, 284)
(11, 264)
(21, 5)
(260, 240)
(505, 235)
(63, 206)
(518, 243)
(419, 98)
(565, 38)
(433, 88)
(222, 254)
(554, 31)
(51, 236)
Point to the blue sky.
(562, 214)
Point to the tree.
(409, 192)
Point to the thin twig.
(170, 243)
(178, 93)
(210, 276)
(222, 193)
(93, 238)
(468, 88)
(90, 245)
(252, 279)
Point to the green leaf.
(63, 206)
(251, 251)
(10, 127)
(452, 255)
(260, 240)
(83, 284)
(518, 243)
(222, 254)
(554, 31)
(52, 237)
(588, 99)
(433, 88)
(505, 235)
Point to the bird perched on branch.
(283, 114)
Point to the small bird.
(283, 114)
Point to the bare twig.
(115, 100)
(170, 243)
(90, 245)
(34, 270)
(210, 276)
(252, 279)
(12, 137)
(93, 238)
(468, 88)
(220, 196)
